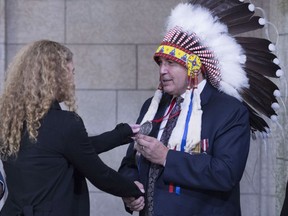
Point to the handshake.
(135, 204)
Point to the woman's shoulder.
(63, 117)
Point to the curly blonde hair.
(37, 76)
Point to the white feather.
(176, 135)
(153, 107)
(190, 17)
(228, 89)
(195, 123)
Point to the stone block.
(251, 176)
(11, 51)
(2, 22)
(31, 20)
(278, 15)
(97, 109)
(103, 204)
(267, 206)
(148, 70)
(113, 21)
(130, 103)
(250, 205)
(105, 66)
(2, 65)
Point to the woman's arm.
(106, 141)
(81, 154)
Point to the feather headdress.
(239, 66)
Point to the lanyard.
(169, 111)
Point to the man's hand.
(151, 148)
(135, 204)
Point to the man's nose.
(163, 68)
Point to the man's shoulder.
(221, 97)
(225, 103)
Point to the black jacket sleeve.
(111, 139)
(79, 151)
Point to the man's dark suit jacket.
(47, 177)
(209, 183)
(2, 186)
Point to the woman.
(46, 151)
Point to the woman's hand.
(135, 128)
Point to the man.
(192, 160)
